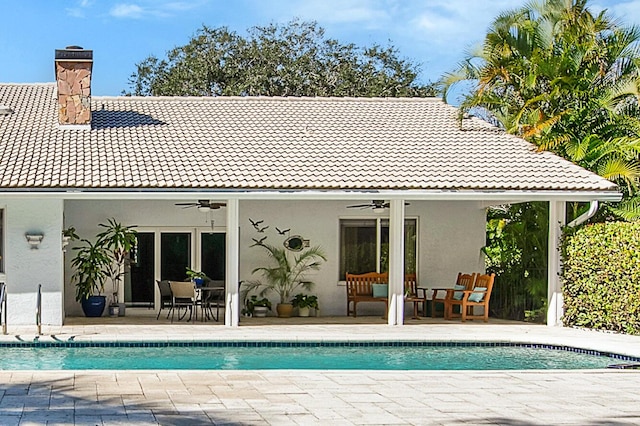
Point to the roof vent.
(5, 110)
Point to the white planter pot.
(303, 312)
(260, 311)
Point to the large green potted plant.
(91, 262)
(118, 240)
(286, 274)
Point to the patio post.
(557, 219)
(396, 263)
(232, 298)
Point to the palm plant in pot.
(286, 274)
(91, 262)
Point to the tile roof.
(268, 143)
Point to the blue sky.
(433, 33)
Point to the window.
(364, 246)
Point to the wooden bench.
(360, 289)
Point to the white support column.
(396, 263)
(557, 219)
(232, 298)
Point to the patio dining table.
(207, 295)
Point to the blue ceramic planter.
(94, 306)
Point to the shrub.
(601, 277)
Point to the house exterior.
(296, 164)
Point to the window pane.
(410, 245)
(357, 246)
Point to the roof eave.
(497, 196)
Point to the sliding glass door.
(165, 255)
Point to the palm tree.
(565, 79)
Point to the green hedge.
(601, 277)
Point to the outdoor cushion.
(457, 295)
(380, 290)
(477, 296)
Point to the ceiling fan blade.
(360, 206)
(186, 204)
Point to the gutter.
(593, 208)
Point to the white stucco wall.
(25, 268)
(451, 235)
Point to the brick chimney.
(73, 77)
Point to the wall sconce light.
(34, 239)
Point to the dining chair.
(166, 298)
(183, 296)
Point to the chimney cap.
(74, 53)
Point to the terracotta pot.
(284, 310)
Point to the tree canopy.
(567, 80)
(294, 59)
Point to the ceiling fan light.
(204, 209)
(378, 209)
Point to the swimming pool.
(298, 355)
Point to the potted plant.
(196, 276)
(118, 240)
(91, 263)
(256, 307)
(304, 303)
(286, 273)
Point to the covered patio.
(307, 167)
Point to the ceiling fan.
(376, 205)
(203, 205)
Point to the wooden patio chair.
(441, 295)
(411, 295)
(477, 297)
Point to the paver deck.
(290, 397)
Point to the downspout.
(593, 208)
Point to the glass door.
(139, 282)
(213, 255)
(175, 255)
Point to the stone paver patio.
(283, 397)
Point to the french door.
(165, 254)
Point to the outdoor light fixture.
(34, 239)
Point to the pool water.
(314, 357)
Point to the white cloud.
(78, 11)
(154, 9)
(371, 14)
(127, 11)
